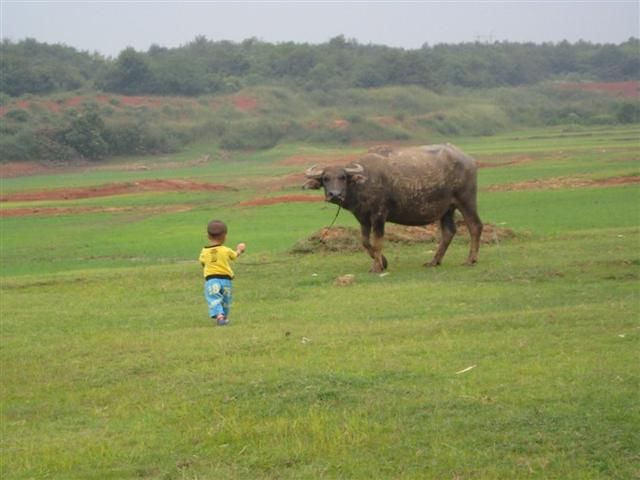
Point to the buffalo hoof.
(377, 268)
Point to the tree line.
(212, 67)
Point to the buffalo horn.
(313, 172)
(357, 168)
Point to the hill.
(94, 126)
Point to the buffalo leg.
(365, 230)
(474, 225)
(379, 260)
(374, 250)
(447, 232)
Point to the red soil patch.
(111, 189)
(56, 211)
(271, 184)
(339, 124)
(244, 103)
(140, 101)
(281, 199)
(564, 182)
(75, 101)
(515, 161)
(385, 121)
(21, 169)
(622, 89)
(308, 160)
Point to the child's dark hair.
(216, 228)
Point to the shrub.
(50, 145)
(85, 135)
(157, 140)
(125, 137)
(18, 115)
(20, 146)
(252, 135)
(628, 113)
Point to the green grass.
(110, 368)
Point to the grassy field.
(524, 366)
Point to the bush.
(18, 115)
(20, 146)
(628, 113)
(85, 135)
(125, 137)
(252, 135)
(440, 124)
(51, 145)
(157, 140)
(328, 135)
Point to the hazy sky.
(108, 27)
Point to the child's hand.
(241, 248)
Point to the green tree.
(85, 135)
(129, 75)
(179, 74)
(32, 67)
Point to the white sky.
(108, 27)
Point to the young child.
(215, 260)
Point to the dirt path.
(56, 211)
(564, 182)
(111, 189)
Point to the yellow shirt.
(215, 260)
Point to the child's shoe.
(221, 320)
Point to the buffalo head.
(335, 180)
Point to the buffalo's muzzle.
(334, 197)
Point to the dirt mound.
(281, 199)
(111, 189)
(340, 239)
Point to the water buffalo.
(409, 186)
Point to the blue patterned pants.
(217, 293)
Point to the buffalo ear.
(358, 178)
(312, 184)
